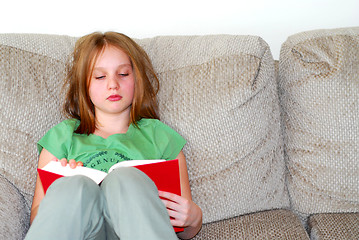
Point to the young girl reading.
(111, 104)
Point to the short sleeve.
(58, 139)
(169, 142)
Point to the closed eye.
(100, 77)
(124, 74)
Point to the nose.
(113, 83)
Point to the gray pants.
(125, 206)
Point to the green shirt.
(151, 140)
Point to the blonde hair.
(87, 49)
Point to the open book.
(165, 174)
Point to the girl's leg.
(71, 209)
(133, 209)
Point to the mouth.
(114, 98)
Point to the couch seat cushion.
(273, 224)
(334, 226)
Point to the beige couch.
(273, 147)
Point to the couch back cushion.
(319, 88)
(219, 92)
(32, 69)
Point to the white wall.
(273, 20)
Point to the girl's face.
(112, 83)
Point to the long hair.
(87, 49)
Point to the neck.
(111, 124)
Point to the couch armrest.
(14, 212)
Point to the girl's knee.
(128, 178)
(74, 185)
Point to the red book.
(165, 174)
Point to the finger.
(72, 163)
(175, 201)
(63, 162)
(174, 214)
(55, 159)
(180, 219)
(177, 223)
(80, 164)
(176, 218)
(171, 205)
(169, 196)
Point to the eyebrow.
(119, 66)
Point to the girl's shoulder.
(156, 127)
(59, 137)
(67, 125)
(166, 140)
(65, 128)
(149, 123)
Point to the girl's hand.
(72, 163)
(183, 212)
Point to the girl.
(111, 105)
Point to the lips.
(114, 98)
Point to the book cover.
(165, 174)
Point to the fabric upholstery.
(220, 93)
(273, 224)
(32, 69)
(319, 86)
(334, 226)
(210, 86)
(14, 217)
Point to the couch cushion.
(334, 226)
(274, 224)
(319, 86)
(32, 69)
(14, 212)
(220, 93)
